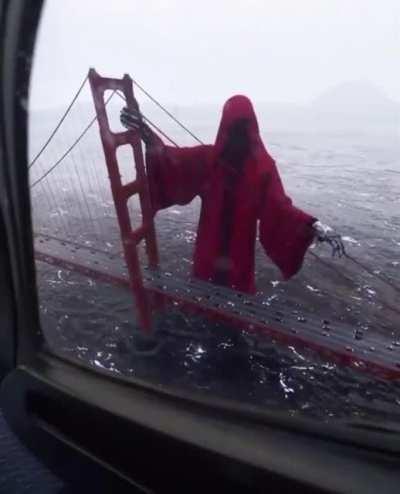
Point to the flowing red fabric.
(233, 200)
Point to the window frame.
(236, 445)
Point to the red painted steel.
(121, 193)
(355, 358)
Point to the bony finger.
(130, 121)
(126, 122)
(129, 125)
(129, 113)
(132, 118)
(125, 113)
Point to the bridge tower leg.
(131, 238)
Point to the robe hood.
(237, 108)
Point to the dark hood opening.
(238, 132)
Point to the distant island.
(356, 95)
(357, 106)
(350, 107)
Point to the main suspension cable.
(59, 123)
(61, 159)
(141, 88)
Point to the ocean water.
(350, 182)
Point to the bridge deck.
(370, 351)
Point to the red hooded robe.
(232, 203)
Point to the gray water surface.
(349, 182)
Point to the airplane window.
(224, 219)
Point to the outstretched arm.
(285, 231)
(175, 175)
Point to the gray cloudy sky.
(194, 51)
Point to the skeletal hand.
(131, 119)
(325, 233)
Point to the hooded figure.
(240, 188)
